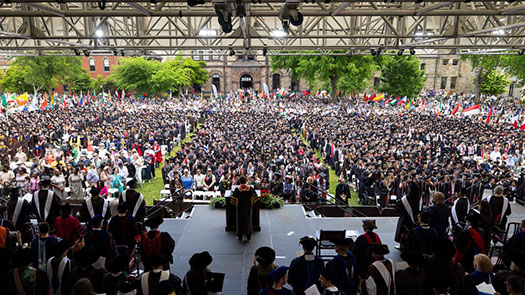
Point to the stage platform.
(281, 229)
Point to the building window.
(206, 56)
(215, 56)
(216, 80)
(422, 66)
(443, 82)
(251, 57)
(445, 62)
(91, 65)
(106, 65)
(240, 57)
(376, 81)
(276, 81)
(455, 62)
(511, 89)
(196, 55)
(453, 82)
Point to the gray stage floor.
(281, 230)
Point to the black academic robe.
(23, 216)
(257, 283)
(461, 210)
(514, 247)
(468, 243)
(342, 190)
(412, 281)
(406, 222)
(98, 207)
(54, 210)
(446, 270)
(153, 281)
(500, 218)
(420, 240)
(243, 198)
(439, 221)
(132, 197)
(123, 230)
(64, 283)
(344, 269)
(156, 242)
(100, 242)
(375, 283)
(361, 251)
(303, 274)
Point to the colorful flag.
(372, 96)
(409, 104)
(488, 116)
(193, 92)
(499, 115)
(117, 93)
(4, 101)
(473, 110)
(402, 101)
(292, 95)
(379, 97)
(266, 92)
(53, 99)
(11, 99)
(422, 105)
(44, 103)
(81, 101)
(522, 127)
(214, 88)
(22, 99)
(515, 119)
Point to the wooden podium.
(231, 224)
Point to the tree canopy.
(495, 83)
(401, 75)
(151, 76)
(36, 73)
(343, 72)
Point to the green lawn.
(151, 190)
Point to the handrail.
(478, 182)
(338, 203)
(165, 203)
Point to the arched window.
(91, 65)
(106, 65)
(216, 80)
(276, 81)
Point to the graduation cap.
(379, 249)
(322, 175)
(45, 181)
(118, 264)
(343, 242)
(279, 273)
(132, 182)
(86, 257)
(157, 260)
(308, 243)
(61, 247)
(265, 255)
(154, 221)
(200, 260)
(96, 220)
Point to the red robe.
(158, 153)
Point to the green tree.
(514, 65)
(195, 70)
(13, 80)
(340, 71)
(80, 81)
(483, 66)
(401, 75)
(495, 83)
(135, 73)
(170, 76)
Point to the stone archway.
(246, 81)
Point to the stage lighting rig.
(400, 52)
(289, 12)
(412, 51)
(195, 2)
(224, 15)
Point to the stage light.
(373, 52)
(99, 33)
(400, 52)
(378, 51)
(521, 52)
(115, 52)
(122, 53)
(86, 53)
(412, 51)
(102, 4)
(265, 51)
(207, 33)
(286, 27)
(232, 52)
(195, 2)
(77, 53)
(278, 33)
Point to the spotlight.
(412, 51)
(102, 4)
(265, 51)
(286, 27)
(224, 16)
(86, 53)
(115, 52)
(290, 12)
(378, 51)
(77, 53)
(195, 2)
(373, 52)
(153, 1)
(400, 52)
(521, 52)
(122, 53)
(232, 52)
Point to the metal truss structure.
(135, 27)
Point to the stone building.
(244, 70)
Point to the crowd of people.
(431, 168)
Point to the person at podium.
(243, 198)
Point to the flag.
(409, 104)
(202, 95)
(522, 127)
(214, 88)
(307, 92)
(395, 100)
(455, 110)
(44, 103)
(372, 96)
(118, 94)
(266, 90)
(81, 101)
(318, 92)
(211, 96)
(499, 115)
(488, 116)
(193, 92)
(439, 109)
(4, 101)
(53, 99)
(515, 119)
(11, 99)
(422, 105)
(123, 94)
(64, 101)
(379, 97)
(365, 97)
(402, 101)
(22, 99)
(292, 95)
(473, 110)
